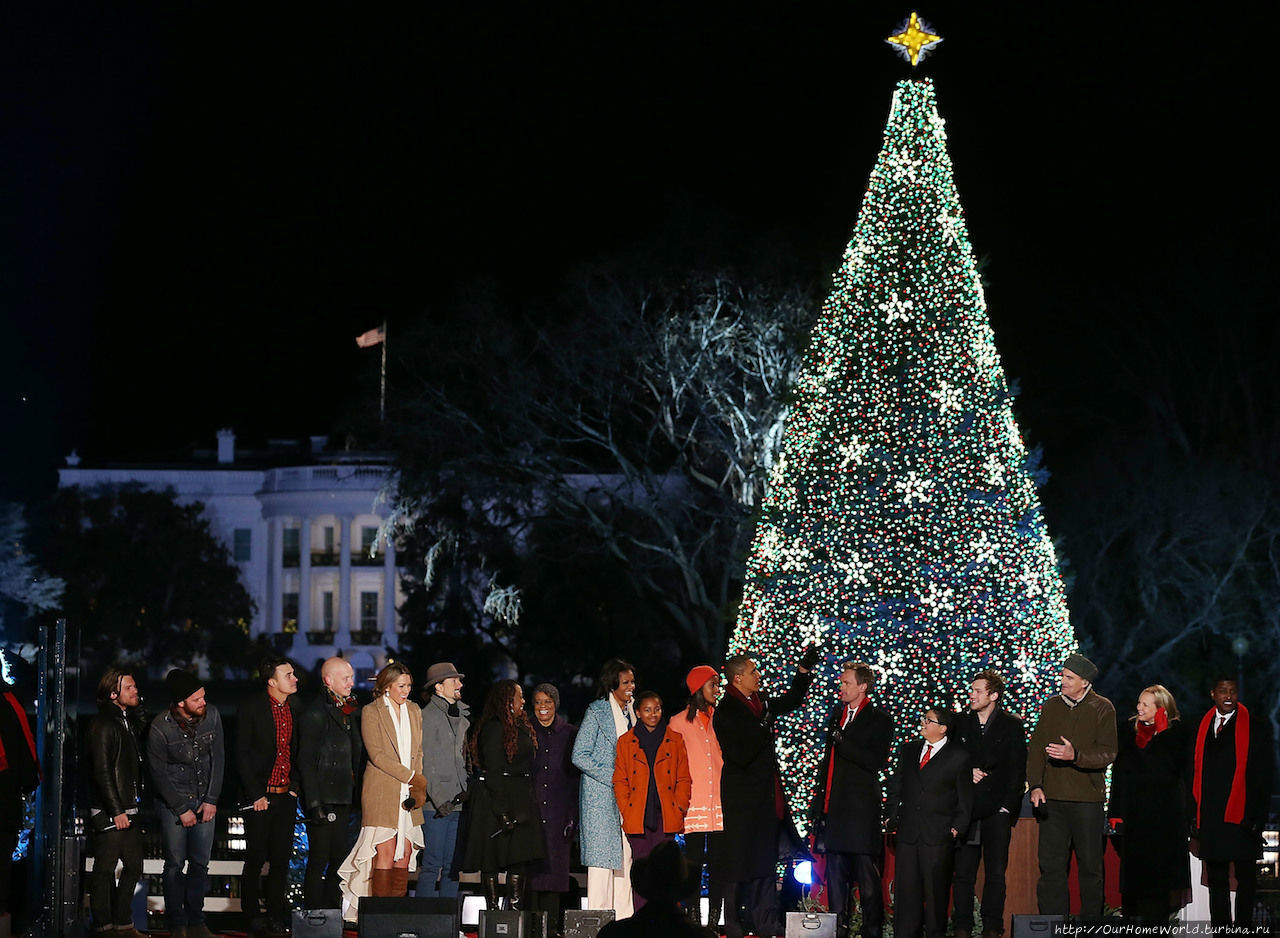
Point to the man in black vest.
(996, 741)
(755, 812)
(847, 805)
(930, 805)
(330, 753)
(267, 757)
(1231, 789)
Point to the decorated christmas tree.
(902, 525)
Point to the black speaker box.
(508, 923)
(586, 923)
(1035, 926)
(811, 925)
(404, 917)
(317, 923)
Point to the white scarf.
(404, 748)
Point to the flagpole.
(382, 384)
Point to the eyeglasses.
(924, 720)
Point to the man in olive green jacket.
(1073, 743)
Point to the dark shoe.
(490, 883)
(515, 890)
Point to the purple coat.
(555, 790)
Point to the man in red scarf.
(848, 803)
(1231, 789)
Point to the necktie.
(1218, 729)
(924, 759)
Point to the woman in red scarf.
(1148, 809)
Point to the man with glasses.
(930, 804)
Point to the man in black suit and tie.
(930, 804)
(847, 807)
(996, 741)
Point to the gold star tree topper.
(915, 40)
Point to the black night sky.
(206, 201)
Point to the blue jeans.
(439, 838)
(184, 892)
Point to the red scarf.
(756, 706)
(26, 731)
(1235, 801)
(845, 720)
(1145, 732)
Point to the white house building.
(303, 533)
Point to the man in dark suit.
(996, 741)
(267, 758)
(930, 804)
(755, 811)
(847, 806)
(1231, 788)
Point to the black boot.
(515, 890)
(490, 883)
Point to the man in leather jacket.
(185, 754)
(330, 753)
(115, 775)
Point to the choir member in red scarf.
(1231, 788)
(1148, 795)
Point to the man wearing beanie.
(184, 752)
(1073, 743)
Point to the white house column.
(304, 578)
(389, 595)
(344, 582)
(275, 575)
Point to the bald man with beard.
(330, 753)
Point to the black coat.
(507, 789)
(747, 785)
(854, 821)
(330, 754)
(1001, 752)
(113, 744)
(256, 744)
(1220, 840)
(925, 804)
(1149, 793)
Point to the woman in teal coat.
(604, 852)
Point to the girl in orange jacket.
(651, 779)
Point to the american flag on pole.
(372, 337)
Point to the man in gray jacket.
(185, 754)
(444, 733)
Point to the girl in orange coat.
(651, 779)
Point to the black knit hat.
(1079, 664)
(182, 684)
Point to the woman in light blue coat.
(605, 852)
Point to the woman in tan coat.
(391, 835)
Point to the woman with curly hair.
(504, 835)
(391, 835)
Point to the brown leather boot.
(380, 883)
(399, 883)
